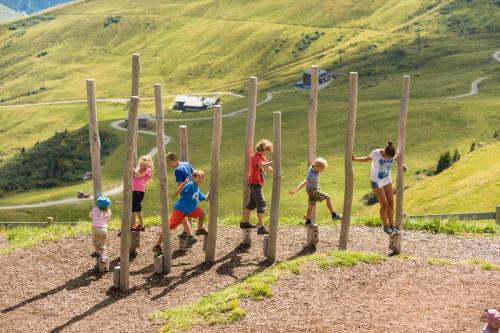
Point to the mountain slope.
(31, 6)
(7, 14)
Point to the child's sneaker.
(182, 235)
(262, 231)
(336, 217)
(308, 223)
(157, 250)
(247, 225)
(190, 241)
(388, 230)
(395, 230)
(201, 231)
(94, 254)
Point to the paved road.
(474, 87)
(116, 125)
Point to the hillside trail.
(53, 287)
(474, 87)
(116, 125)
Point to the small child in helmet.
(492, 321)
(100, 216)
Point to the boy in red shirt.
(256, 177)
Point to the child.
(381, 183)
(183, 171)
(186, 206)
(256, 177)
(492, 322)
(100, 216)
(314, 193)
(142, 175)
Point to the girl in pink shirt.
(142, 175)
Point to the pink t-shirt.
(139, 184)
(100, 218)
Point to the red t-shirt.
(256, 174)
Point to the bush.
(369, 199)
(60, 160)
(112, 20)
(42, 54)
(446, 160)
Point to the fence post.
(95, 143)
(136, 71)
(183, 143)
(395, 241)
(162, 180)
(498, 215)
(214, 186)
(127, 193)
(250, 135)
(270, 252)
(349, 143)
(313, 110)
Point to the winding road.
(474, 87)
(116, 125)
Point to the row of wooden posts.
(163, 263)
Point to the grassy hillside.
(209, 46)
(31, 6)
(7, 14)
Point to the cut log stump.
(312, 235)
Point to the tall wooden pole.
(251, 116)
(275, 201)
(349, 147)
(95, 142)
(313, 110)
(127, 193)
(183, 143)
(162, 179)
(395, 242)
(214, 186)
(136, 71)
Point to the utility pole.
(419, 39)
(340, 51)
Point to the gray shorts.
(256, 199)
(316, 195)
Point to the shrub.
(112, 20)
(447, 159)
(42, 54)
(369, 199)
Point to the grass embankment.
(223, 306)
(483, 264)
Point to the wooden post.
(498, 215)
(127, 193)
(395, 241)
(313, 110)
(246, 236)
(135, 241)
(214, 185)
(136, 71)
(95, 143)
(270, 253)
(162, 180)
(158, 264)
(251, 116)
(183, 143)
(116, 277)
(102, 266)
(312, 235)
(349, 147)
(50, 220)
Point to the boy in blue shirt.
(187, 206)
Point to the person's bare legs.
(260, 217)
(187, 227)
(246, 215)
(384, 205)
(141, 219)
(160, 239)
(310, 209)
(329, 204)
(389, 194)
(133, 219)
(201, 221)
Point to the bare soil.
(54, 288)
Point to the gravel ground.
(54, 288)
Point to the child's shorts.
(177, 216)
(316, 195)
(256, 199)
(99, 237)
(137, 198)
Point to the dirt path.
(54, 288)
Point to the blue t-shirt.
(190, 196)
(184, 170)
(312, 178)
